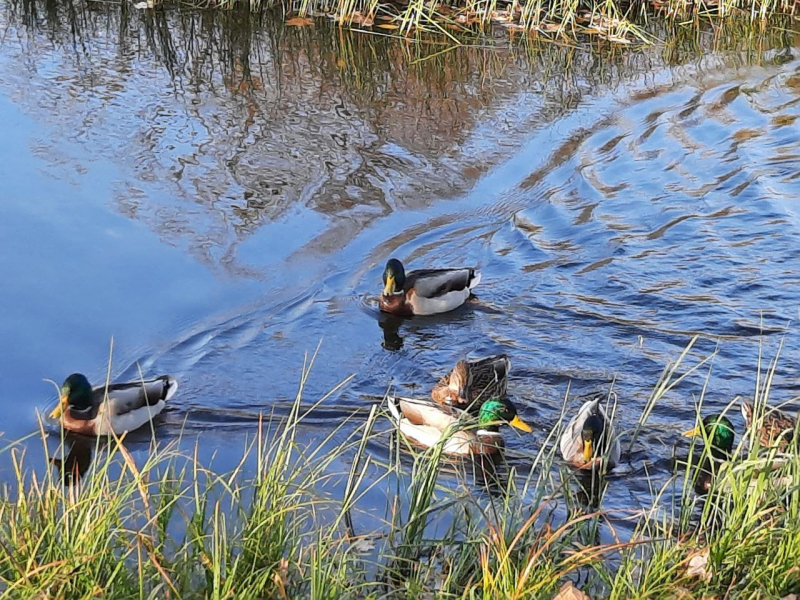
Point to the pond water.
(219, 193)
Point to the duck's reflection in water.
(74, 465)
(390, 325)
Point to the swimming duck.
(427, 424)
(128, 406)
(425, 292)
(472, 381)
(719, 434)
(777, 428)
(588, 440)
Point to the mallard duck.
(472, 381)
(719, 434)
(776, 429)
(114, 409)
(426, 424)
(588, 440)
(425, 292)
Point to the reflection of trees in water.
(240, 119)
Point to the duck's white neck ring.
(81, 414)
(487, 433)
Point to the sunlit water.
(218, 194)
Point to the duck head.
(499, 411)
(394, 277)
(76, 394)
(718, 430)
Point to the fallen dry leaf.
(467, 19)
(790, 597)
(299, 22)
(618, 40)
(502, 16)
(549, 27)
(359, 19)
(698, 565)
(388, 26)
(569, 592)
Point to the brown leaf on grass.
(697, 565)
(281, 578)
(602, 22)
(359, 19)
(549, 27)
(569, 592)
(790, 597)
(467, 18)
(502, 16)
(388, 26)
(299, 22)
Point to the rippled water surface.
(219, 194)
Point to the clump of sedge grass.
(169, 527)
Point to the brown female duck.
(473, 381)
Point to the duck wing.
(488, 377)
(425, 423)
(777, 425)
(435, 283)
(424, 412)
(124, 398)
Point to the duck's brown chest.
(395, 304)
(82, 426)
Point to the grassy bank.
(616, 21)
(287, 525)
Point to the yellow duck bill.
(696, 432)
(59, 409)
(588, 450)
(389, 289)
(520, 424)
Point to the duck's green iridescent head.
(394, 277)
(76, 392)
(497, 411)
(719, 430)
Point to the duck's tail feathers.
(171, 387)
(747, 412)
(476, 279)
(502, 365)
(393, 405)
